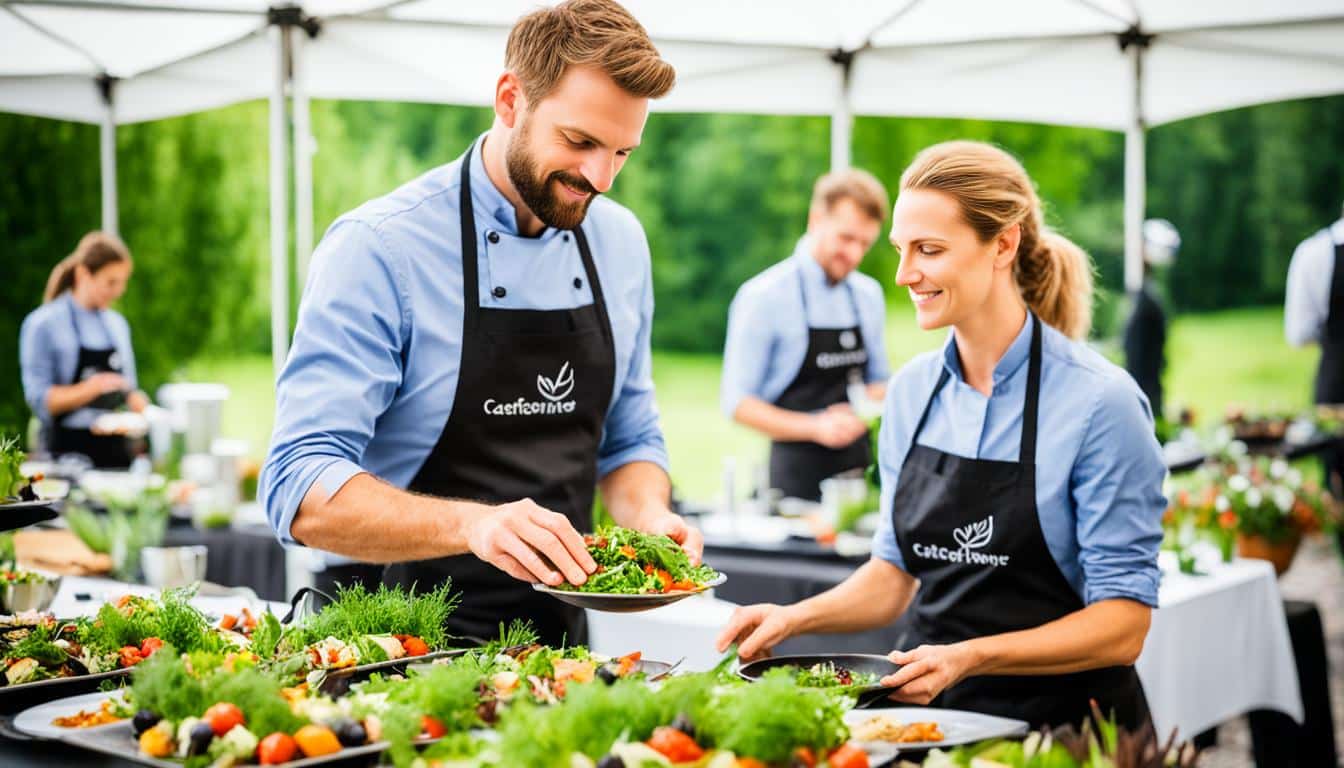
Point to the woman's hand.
(137, 401)
(928, 670)
(756, 629)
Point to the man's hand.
(837, 426)
(531, 543)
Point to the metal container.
(172, 567)
(31, 596)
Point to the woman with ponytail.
(76, 354)
(1021, 482)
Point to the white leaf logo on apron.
(558, 388)
(975, 535)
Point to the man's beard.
(536, 192)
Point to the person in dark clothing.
(1146, 331)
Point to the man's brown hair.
(600, 33)
(851, 184)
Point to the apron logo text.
(827, 360)
(970, 538)
(554, 390)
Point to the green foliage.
(720, 197)
(171, 618)
(768, 719)
(358, 612)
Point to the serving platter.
(613, 603)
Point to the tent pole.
(1135, 44)
(280, 36)
(303, 164)
(842, 118)
(107, 154)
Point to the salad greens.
(358, 612)
(132, 620)
(11, 459)
(633, 563)
(829, 675)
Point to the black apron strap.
(1027, 453)
(590, 269)
(471, 293)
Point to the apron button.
(565, 237)
(492, 236)
(499, 292)
(578, 283)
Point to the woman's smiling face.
(947, 269)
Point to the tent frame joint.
(293, 16)
(106, 85)
(1135, 36)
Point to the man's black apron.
(107, 451)
(969, 531)
(1330, 371)
(526, 421)
(834, 356)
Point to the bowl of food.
(636, 571)
(858, 674)
(23, 590)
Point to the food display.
(882, 728)
(830, 675)
(633, 563)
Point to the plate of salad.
(855, 674)
(635, 572)
(43, 657)
(20, 504)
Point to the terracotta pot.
(1280, 554)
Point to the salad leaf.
(769, 719)
(633, 563)
(11, 458)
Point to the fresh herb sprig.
(357, 612)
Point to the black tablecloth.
(1277, 739)
(790, 572)
(244, 556)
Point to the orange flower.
(1228, 520)
(1183, 499)
(1169, 517)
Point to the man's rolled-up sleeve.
(343, 370)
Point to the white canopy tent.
(1116, 64)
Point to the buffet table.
(1218, 646)
(81, 596)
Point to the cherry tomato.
(222, 717)
(414, 646)
(432, 727)
(848, 756)
(150, 645)
(277, 748)
(675, 745)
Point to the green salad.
(634, 563)
(829, 675)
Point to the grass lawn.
(1213, 360)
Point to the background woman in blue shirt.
(1021, 482)
(76, 354)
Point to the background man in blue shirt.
(472, 352)
(805, 331)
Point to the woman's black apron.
(834, 356)
(106, 451)
(969, 531)
(526, 421)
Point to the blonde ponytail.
(95, 250)
(994, 192)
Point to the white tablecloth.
(99, 591)
(1218, 646)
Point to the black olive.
(683, 723)
(144, 720)
(606, 674)
(351, 734)
(199, 740)
(611, 761)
